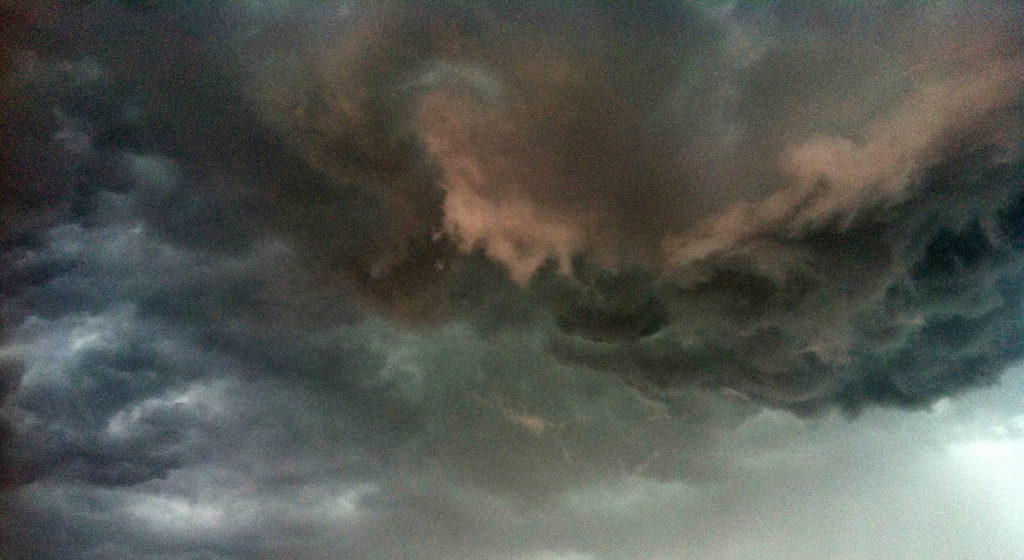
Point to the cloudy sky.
(538, 281)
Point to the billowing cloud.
(741, 197)
(450, 280)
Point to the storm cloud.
(523, 281)
(621, 157)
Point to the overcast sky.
(539, 281)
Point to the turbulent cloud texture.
(790, 203)
(463, 280)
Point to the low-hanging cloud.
(746, 197)
(518, 281)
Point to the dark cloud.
(745, 227)
(449, 280)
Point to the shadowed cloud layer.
(528, 281)
(789, 204)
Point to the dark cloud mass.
(602, 143)
(509, 280)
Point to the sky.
(511, 281)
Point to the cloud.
(297, 280)
(583, 156)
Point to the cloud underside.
(437, 271)
(804, 214)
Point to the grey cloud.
(914, 303)
(785, 495)
(71, 391)
(250, 310)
